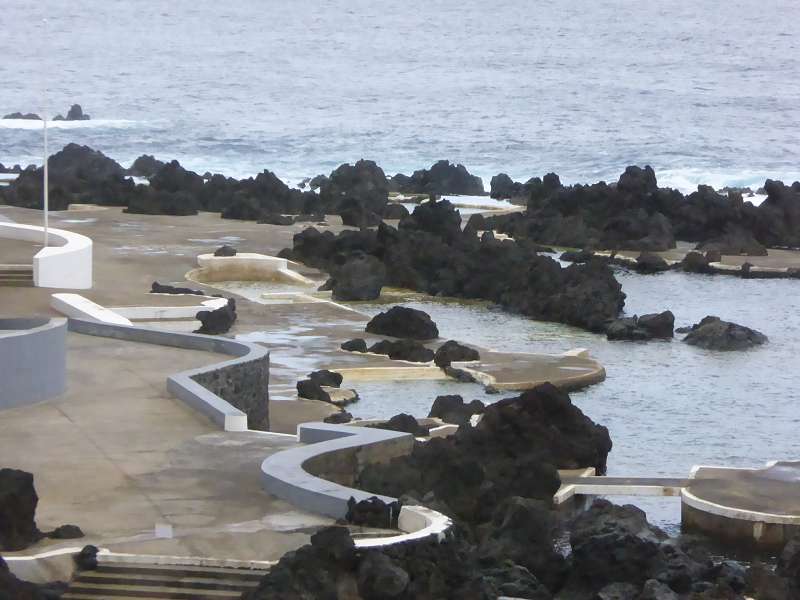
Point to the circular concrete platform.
(758, 507)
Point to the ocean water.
(583, 88)
(668, 405)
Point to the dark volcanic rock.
(23, 116)
(364, 183)
(439, 218)
(513, 451)
(614, 544)
(408, 350)
(660, 325)
(522, 531)
(312, 390)
(18, 502)
(86, 559)
(77, 175)
(453, 409)
(452, 351)
(361, 277)
(578, 256)
(512, 274)
(403, 422)
(217, 321)
(225, 251)
(146, 166)
(326, 378)
(380, 577)
(356, 345)
(713, 333)
(158, 288)
(503, 187)
(66, 532)
(442, 178)
(75, 113)
(626, 329)
(393, 210)
(647, 262)
(735, 240)
(339, 418)
(403, 322)
(354, 214)
(695, 262)
(373, 512)
(646, 327)
(275, 219)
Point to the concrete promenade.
(117, 454)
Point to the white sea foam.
(91, 124)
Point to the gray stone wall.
(244, 386)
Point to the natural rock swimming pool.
(668, 406)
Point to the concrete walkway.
(117, 455)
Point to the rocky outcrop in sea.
(430, 253)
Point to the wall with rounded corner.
(33, 360)
(66, 263)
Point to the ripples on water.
(583, 88)
(668, 406)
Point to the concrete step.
(214, 582)
(123, 581)
(181, 570)
(5, 268)
(100, 590)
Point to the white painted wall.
(65, 264)
(78, 307)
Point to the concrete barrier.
(317, 477)
(66, 264)
(32, 360)
(203, 388)
(246, 266)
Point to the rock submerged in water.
(712, 333)
(451, 351)
(404, 322)
(403, 422)
(646, 327)
(356, 345)
(23, 116)
(408, 350)
(217, 321)
(75, 113)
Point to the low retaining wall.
(245, 266)
(234, 393)
(33, 360)
(317, 477)
(66, 264)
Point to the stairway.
(127, 581)
(16, 275)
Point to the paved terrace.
(117, 454)
(130, 251)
